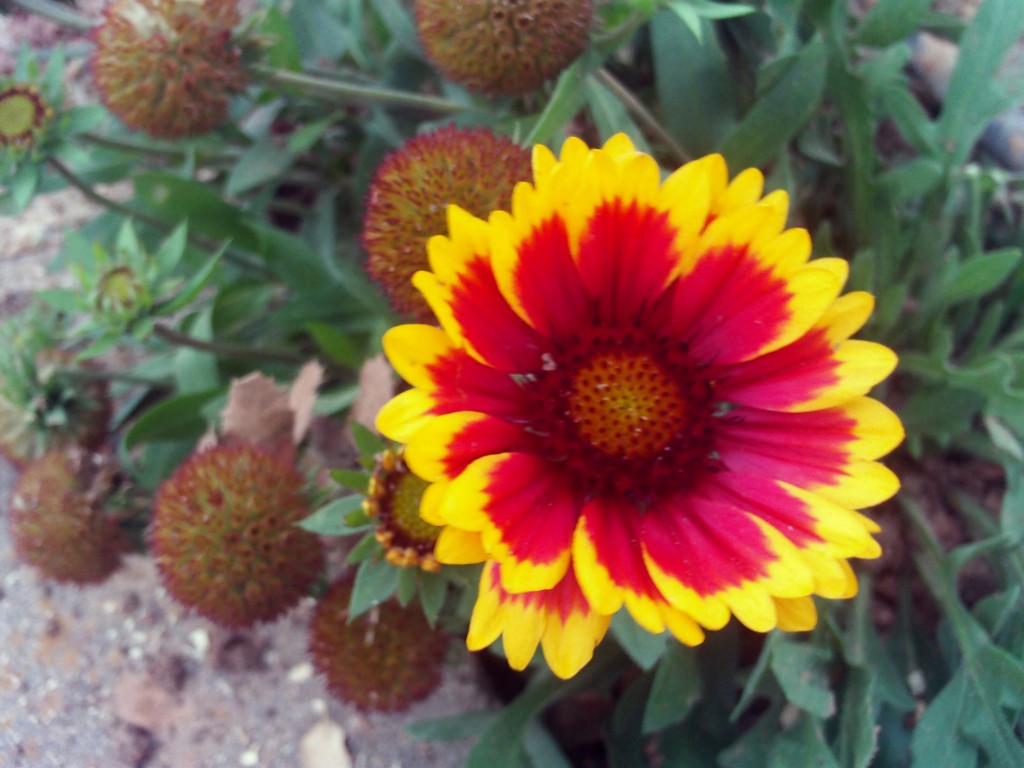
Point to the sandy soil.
(120, 675)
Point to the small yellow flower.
(394, 499)
(24, 115)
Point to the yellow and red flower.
(643, 394)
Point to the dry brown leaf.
(376, 387)
(257, 411)
(140, 700)
(323, 746)
(302, 398)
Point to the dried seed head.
(226, 539)
(503, 47)
(384, 660)
(410, 194)
(168, 67)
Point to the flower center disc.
(626, 405)
(405, 510)
(18, 115)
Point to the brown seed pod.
(56, 521)
(410, 194)
(168, 67)
(503, 47)
(225, 535)
(384, 660)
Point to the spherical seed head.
(410, 194)
(56, 523)
(503, 47)
(168, 67)
(41, 408)
(225, 535)
(24, 115)
(383, 661)
(394, 499)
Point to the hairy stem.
(332, 88)
(56, 12)
(641, 113)
(221, 349)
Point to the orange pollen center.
(626, 405)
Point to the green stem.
(58, 13)
(176, 152)
(96, 197)
(86, 374)
(331, 88)
(641, 113)
(221, 349)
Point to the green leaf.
(195, 370)
(1011, 515)
(542, 749)
(283, 52)
(407, 582)
(890, 21)
(261, 163)
(566, 100)
(500, 746)
(169, 254)
(914, 179)
(858, 737)
(376, 581)
(367, 547)
(802, 746)
(800, 670)
(24, 185)
(309, 134)
(352, 479)
(707, 9)
(177, 418)
(318, 34)
(937, 741)
(454, 727)
(193, 287)
(176, 199)
(335, 344)
(331, 519)
(53, 80)
(369, 443)
(433, 590)
(399, 23)
(609, 114)
(940, 411)
(83, 119)
(643, 647)
(782, 111)
(691, 79)
(979, 275)
(1003, 437)
(974, 95)
(676, 688)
